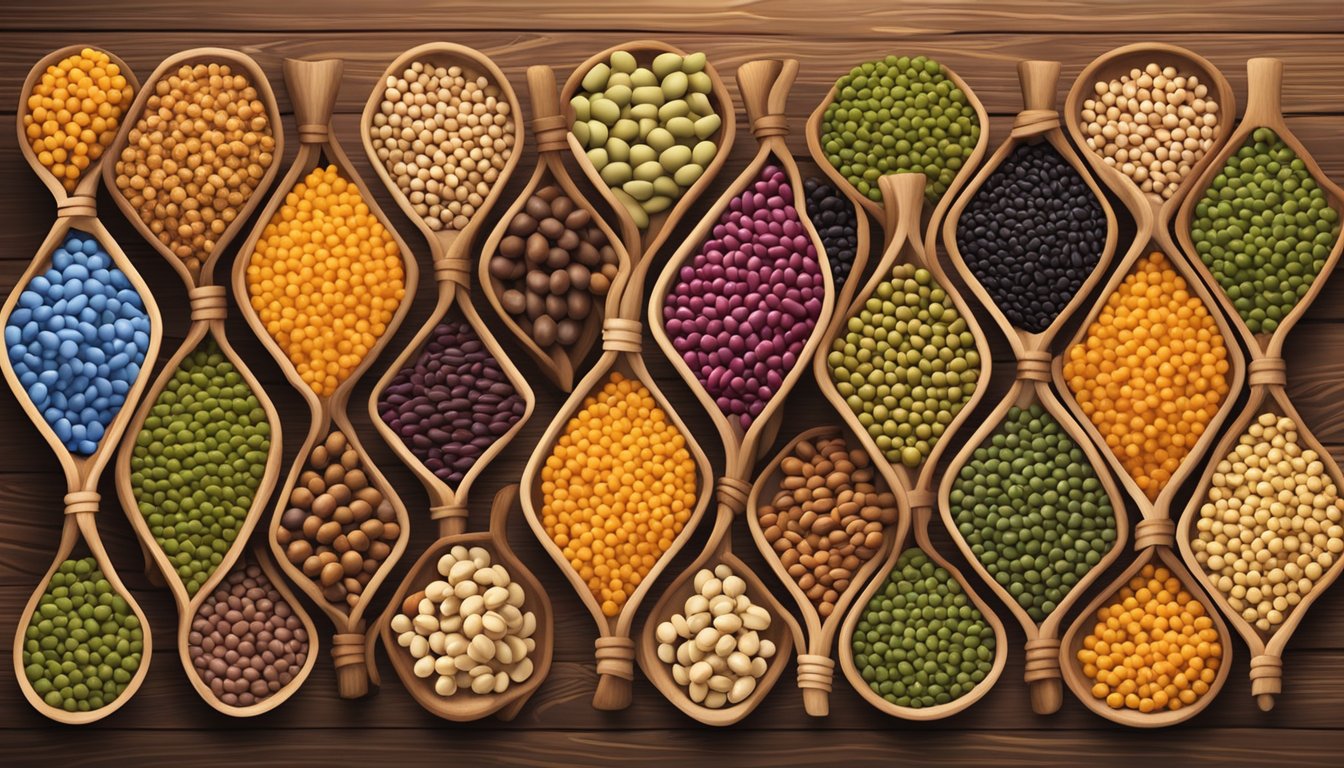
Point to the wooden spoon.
(312, 87)
(878, 210)
(465, 705)
(816, 667)
(451, 253)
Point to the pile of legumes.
(444, 136)
(83, 643)
(1032, 234)
(554, 263)
(1272, 524)
(1151, 372)
(714, 646)
(246, 642)
(451, 402)
(618, 487)
(1152, 124)
(73, 111)
(906, 364)
(198, 460)
(1031, 508)
(744, 307)
(326, 278)
(1264, 228)
(1153, 648)
(195, 156)
(921, 642)
(648, 130)
(828, 517)
(833, 217)
(338, 528)
(76, 339)
(468, 629)
(898, 115)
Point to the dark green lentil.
(1264, 229)
(83, 642)
(1032, 509)
(198, 461)
(899, 115)
(921, 642)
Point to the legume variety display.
(76, 339)
(1264, 228)
(1032, 234)
(73, 111)
(921, 642)
(1032, 510)
(906, 364)
(742, 310)
(1151, 372)
(618, 487)
(84, 643)
(198, 460)
(899, 115)
(649, 131)
(837, 225)
(1272, 524)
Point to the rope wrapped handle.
(621, 335)
(815, 671)
(208, 302)
(82, 502)
(1034, 366)
(1154, 533)
(1042, 659)
(447, 511)
(453, 269)
(1267, 372)
(764, 85)
(615, 657)
(733, 493)
(77, 205)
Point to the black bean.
(833, 217)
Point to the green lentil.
(1264, 228)
(83, 643)
(198, 461)
(921, 642)
(1031, 508)
(906, 364)
(899, 115)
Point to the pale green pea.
(641, 154)
(646, 125)
(580, 106)
(643, 78)
(648, 171)
(703, 153)
(676, 108)
(598, 157)
(618, 151)
(632, 207)
(687, 175)
(668, 62)
(640, 190)
(605, 110)
(666, 186)
(699, 82)
(707, 126)
(625, 130)
(681, 128)
(699, 103)
(620, 78)
(580, 131)
(674, 157)
(596, 79)
(620, 94)
(623, 61)
(616, 173)
(597, 133)
(675, 85)
(657, 204)
(649, 94)
(660, 139)
(693, 63)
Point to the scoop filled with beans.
(836, 223)
(72, 113)
(198, 151)
(444, 135)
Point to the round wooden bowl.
(816, 636)
(77, 525)
(615, 647)
(1037, 122)
(1263, 110)
(87, 187)
(903, 197)
(280, 696)
(878, 210)
(764, 85)
(312, 87)
(1160, 555)
(558, 362)
(782, 630)
(916, 523)
(1042, 648)
(642, 242)
(240, 63)
(465, 706)
(1266, 647)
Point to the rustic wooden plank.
(839, 18)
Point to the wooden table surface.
(166, 724)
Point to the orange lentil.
(617, 489)
(1154, 647)
(1151, 373)
(326, 278)
(73, 111)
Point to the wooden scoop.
(312, 87)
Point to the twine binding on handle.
(1151, 533)
(920, 499)
(1042, 659)
(453, 269)
(81, 502)
(1034, 366)
(1033, 122)
(76, 205)
(1269, 372)
(733, 493)
(615, 656)
(770, 125)
(550, 132)
(347, 648)
(208, 302)
(1266, 675)
(314, 133)
(621, 335)
(815, 671)
(447, 510)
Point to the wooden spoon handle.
(764, 85)
(312, 88)
(903, 201)
(549, 125)
(1264, 92)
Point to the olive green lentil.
(906, 364)
(198, 460)
(1264, 229)
(1031, 508)
(899, 115)
(921, 642)
(83, 643)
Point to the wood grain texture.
(982, 41)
